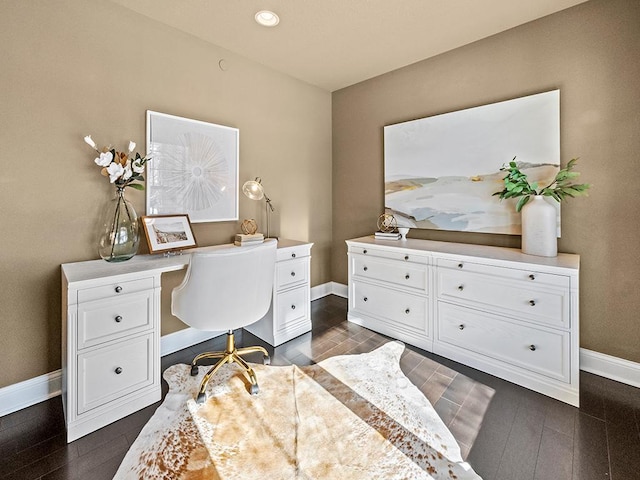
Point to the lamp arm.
(268, 200)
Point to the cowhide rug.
(348, 417)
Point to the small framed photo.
(167, 233)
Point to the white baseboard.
(187, 337)
(607, 366)
(35, 390)
(329, 288)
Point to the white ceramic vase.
(539, 228)
(403, 232)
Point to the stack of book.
(253, 239)
(388, 235)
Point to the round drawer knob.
(366, 268)
(118, 370)
(406, 257)
(532, 303)
(364, 251)
(532, 348)
(293, 255)
(293, 307)
(118, 289)
(407, 277)
(293, 274)
(365, 299)
(461, 327)
(532, 276)
(460, 265)
(118, 318)
(460, 287)
(407, 311)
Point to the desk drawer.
(539, 350)
(109, 373)
(292, 309)
(114, 290)
(103, 320)
(291, 272)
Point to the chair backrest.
(226, 287)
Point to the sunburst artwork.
(195, 168)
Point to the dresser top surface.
(563, 260)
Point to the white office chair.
(223, 289)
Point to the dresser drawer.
(395, 254)
(531, 277)
(506, 296)
(291, 272)
(402, 310)
(103, 320)
(292, 309)
(109, 373)
(114, 290)
(404, 274)
(539, 350)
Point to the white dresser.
(495, 309)
(111, 330)
(290, 312)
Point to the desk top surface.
(153, 264)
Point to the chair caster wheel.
(194, 370)
(201, 397)
(266, 360)
(254, 389)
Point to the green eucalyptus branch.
(516, 185)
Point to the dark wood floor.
(506, 432)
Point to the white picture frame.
(167, 233)
(193, 168)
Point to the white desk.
(111, 329)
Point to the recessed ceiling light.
(267, 18)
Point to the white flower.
(90, 141)
(137, 166)
(127, 172)
(104, 159)
(132, 145)
(115, 171)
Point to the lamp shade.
(253, 189)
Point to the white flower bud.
(132, 145)
(90, 141)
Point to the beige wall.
(591, 53)
(71, 68)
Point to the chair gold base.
(230, 355)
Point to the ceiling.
(335, 43)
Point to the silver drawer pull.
(293, 307)
(293, 255)
(460, 287)
(407, 277)
(118, 289)
(460, 265)
(532, 303)
(366, 268)
(293, 274)
(407, 311)
(118, 370)
(406, 257)
(532, 348)
(461, 327)
(118, 318)
(532, 276)
(365, 299)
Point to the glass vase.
(118, 230)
